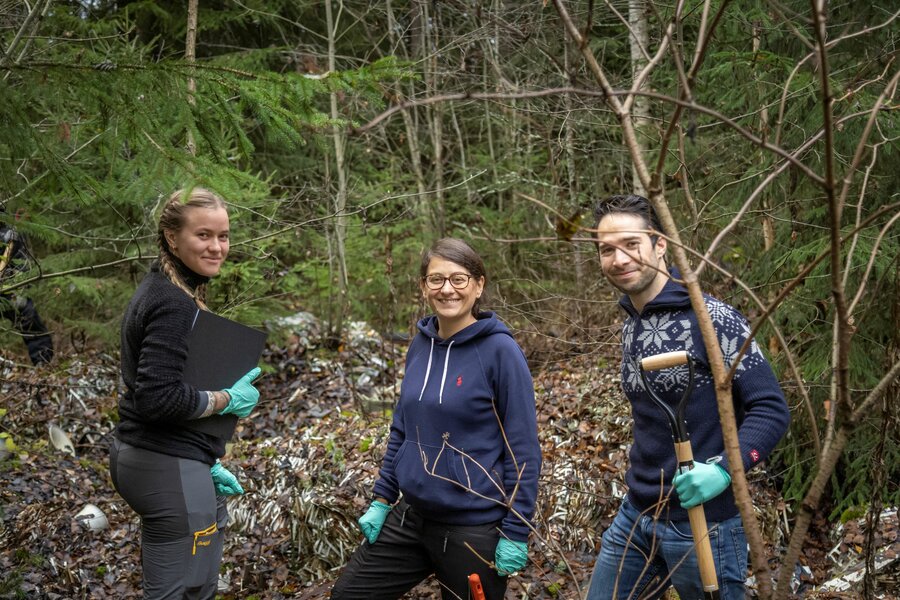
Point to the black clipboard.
(220, 351)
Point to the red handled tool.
(477, 592)
(685, 457)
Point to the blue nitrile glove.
(701, 484)
(371, 522)
(510, 556)
(226, 484)
(243, 395)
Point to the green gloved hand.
(370, 523)
(510, 556)
(701, 484)
(243, 395)
(226, 484)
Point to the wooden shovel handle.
(664, 361)
(699, 530)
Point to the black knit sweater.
(157, 402)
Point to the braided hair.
(172, 218)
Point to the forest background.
(348, 135)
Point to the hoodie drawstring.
(427, 370)
(443, 376)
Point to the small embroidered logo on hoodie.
(754, 455)
(458, 380)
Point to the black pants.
(181, 520)
(25, 319)
(410, 548)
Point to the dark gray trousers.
(182, 521)
(410, 548)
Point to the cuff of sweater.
(381, 491)
(204, 399)
(514, 529)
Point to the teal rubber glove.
(243, 395)
(510, 556)
(701, 484)
(370, 523)
(226, 484)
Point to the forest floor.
(307, 459)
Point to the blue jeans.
(640, 557)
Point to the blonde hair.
(172, 218)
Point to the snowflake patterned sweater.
(666, 324)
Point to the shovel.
(685, 457)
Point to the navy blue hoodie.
(446, 451)
(666, 324)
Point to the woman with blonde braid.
(166, 471)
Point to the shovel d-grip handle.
(664, 361)
(685, 456)
(667, 361)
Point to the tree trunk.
(340, 198)
(571, 176)
(420, 204)
(639, 41)
(30, 24)
(430, 43)
(463, 169)
(190, 56)
(767, 222)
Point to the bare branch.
(889, 90)
(803, 60)
(618, 108)
(802, 275)
(699, 56)
(810, 502)
(871, 263)
(26, 24)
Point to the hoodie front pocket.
(426, 473)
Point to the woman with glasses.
(457, 486)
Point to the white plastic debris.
(61, 441)
(91, 517)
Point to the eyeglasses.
(459, 281)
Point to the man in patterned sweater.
(649, 544)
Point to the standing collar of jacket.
(672, 296)
(191, 279)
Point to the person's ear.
(660, 247)
(170, 239)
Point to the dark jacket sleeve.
(386, 485)
(522, 463)
(160, 394)
(762, 413)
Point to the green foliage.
(11, 584)
(95, 135)
(96, 121)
